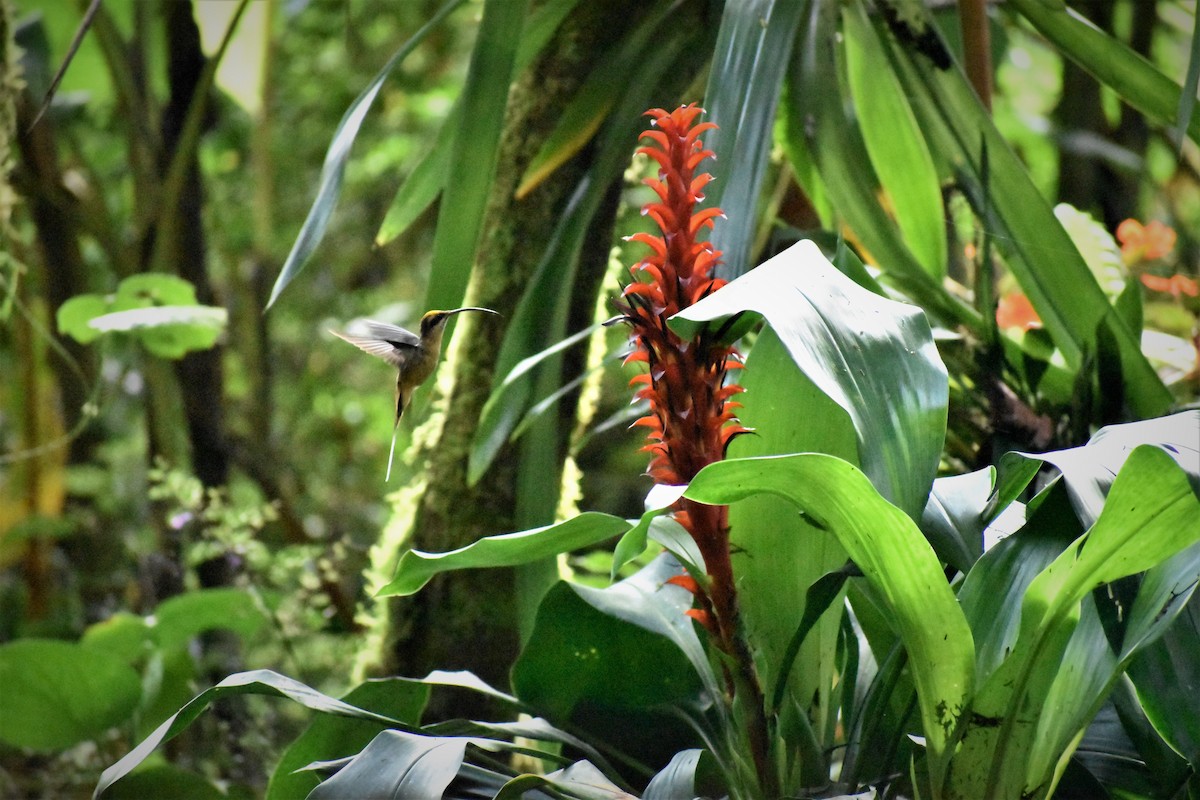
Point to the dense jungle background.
(192, 467)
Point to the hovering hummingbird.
(414, 357)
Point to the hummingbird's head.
(433, 320)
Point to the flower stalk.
(692, 412)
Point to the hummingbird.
(414, 356)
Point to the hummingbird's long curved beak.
(471, 308)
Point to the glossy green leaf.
(178, 619)
(329, 737)
(991, 593)
(749, 62)
(894, 142)
(506, 550)
(57, 694)
(1151, 514)
(614, 660)
(334, 169)
(397, 764)
(124, 635)
(874, 357)
(1167, 676)
(582, 780)
(893, 555)
(1112, 62)
(1089, 470)
(263, 682)
(777, 554)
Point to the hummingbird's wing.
(391, 343)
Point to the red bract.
(691, 417)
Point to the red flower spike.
(691, 417)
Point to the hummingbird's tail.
(392, 451)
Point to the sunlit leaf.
(874, 357)
(893, 555)
(894, 142)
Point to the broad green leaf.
(527, 728)
(179, 618)
(124, 635)
(57, 694)
(263, 682)
(75, 316)
(328, 737)
(154, 289)
(874, 357)
(991, 593)
(334, 168)
(397, 764)
(893, 555)
(777, 554)
(1089, 470)
(476, 148)
(506, 550)
(581, 780)
(894, 142)
(749, 61)
(615, 660)
(1113, 63)
(1151, 514)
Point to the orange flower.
(1145, 243)
(1175, 285)
(1015, 311)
